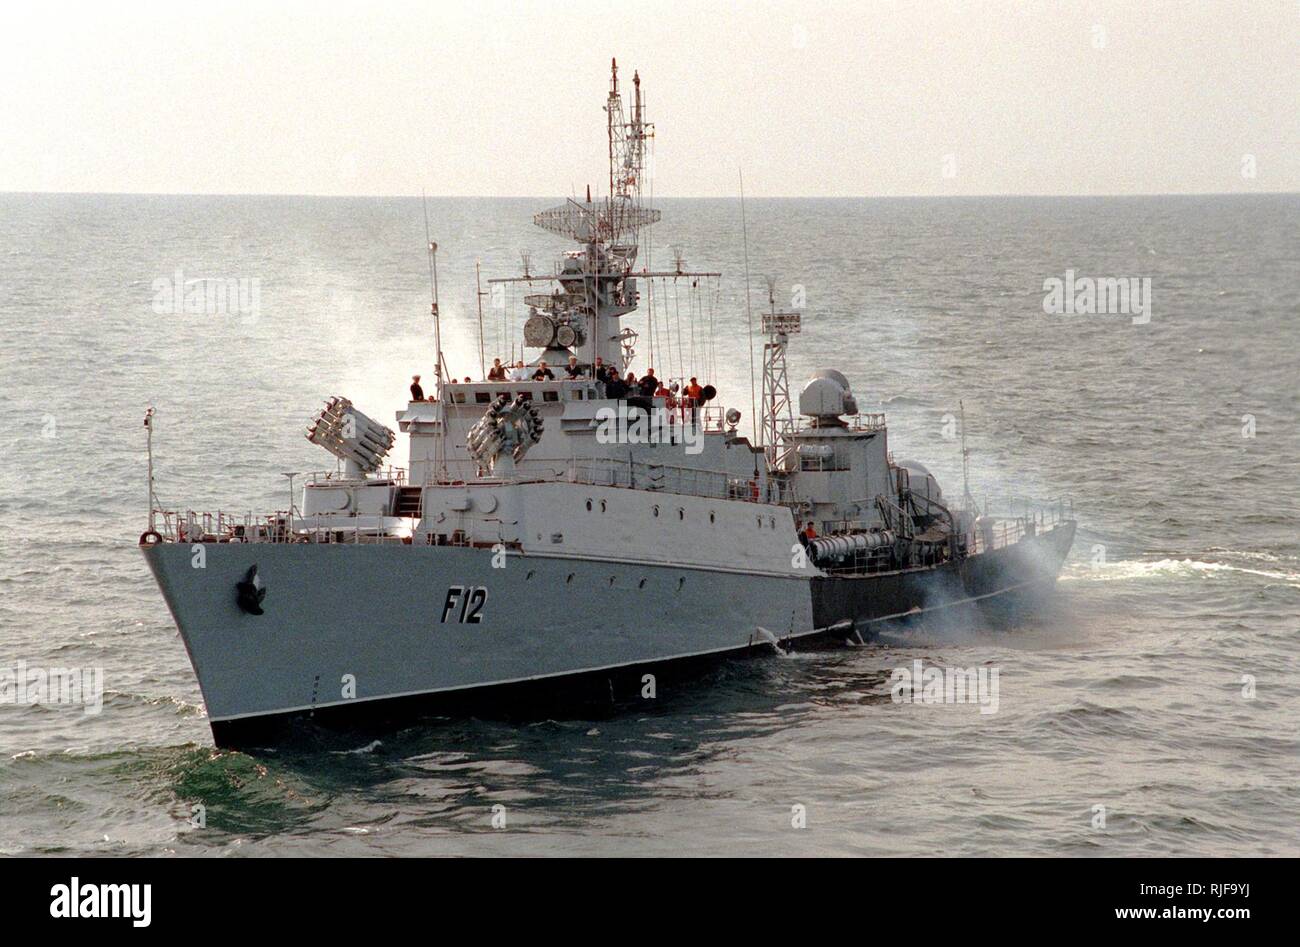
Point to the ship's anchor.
(251, 592)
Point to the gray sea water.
(1160, 684)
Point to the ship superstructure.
(563, 521)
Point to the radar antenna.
(617, 220)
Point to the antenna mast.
(967, 499)
(478, 292)
(749, 315)
(778, 412)
(439, 370)
(148, 440)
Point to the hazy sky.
(854, 98)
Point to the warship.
(571, 521)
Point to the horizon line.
(682, 197)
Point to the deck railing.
(1005, 521)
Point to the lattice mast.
(598, 283)
(778, 412)
(627, 148)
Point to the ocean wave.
(1135, 570)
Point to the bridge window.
(550, 396)
(483, 397)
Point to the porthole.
(569, 580)
(641, 584)
(656, 509)
(681, 513)
(681, 580)
(602, 506)
(611, 581)
(588, 506)
(760, 521)
(529, 577)
(712, 518)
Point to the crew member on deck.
(417, 393)
(693, 395)
(543, 373)
(497, 372)
(810, 531)
(670, 400)
(649, 384)
(614, 385)
(519, 373)
(574, 370)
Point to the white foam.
(1136, 570)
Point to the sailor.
(810, 531)
(574, 370)
(497, 372)
(519, 373)
(417, 393)
(543, 373)
(598, 370)
(670, 401)
(649, 384)
(614, 385)
(693, 395)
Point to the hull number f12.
(464, 606)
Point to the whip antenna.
(749, 316)
(440, 368)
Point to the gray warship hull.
(355, 632)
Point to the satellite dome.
(835, 376)
(827, 396)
